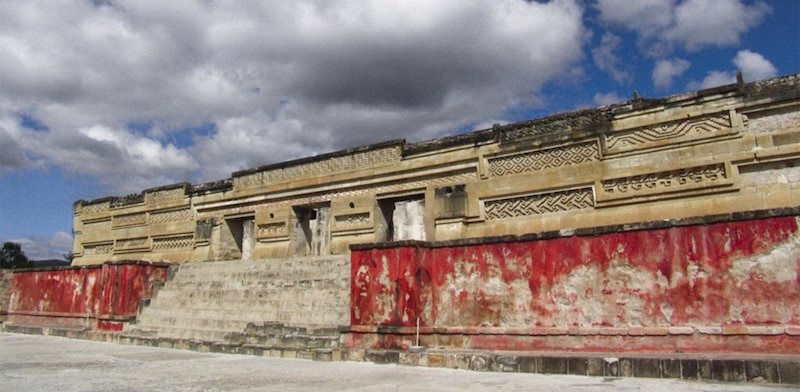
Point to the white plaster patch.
(777, 265)
(591, 296)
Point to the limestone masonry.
(717, 151)
(667, 230)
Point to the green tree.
(12, 256)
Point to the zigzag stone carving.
(542, 203)
(544, 159)
(97, 249)
(181, 215)
(131, 243)
(176, 242)
(676, 131)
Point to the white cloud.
(692, 24)
(666, 70)
(278, 80)
(753, 66)
(45, 247)
(607, 60)
(701, 23)
(607, 99)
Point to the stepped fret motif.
(131, 219)
(272, 228)
(171, 216)
(167, 195)
(97, 226)
(327, 166)
(97, 249)
(98, 207)
(175, 242)
(132, 243)
(353, 219)
(665, 181)
(539, 204)
(691, 129)
(544, 159)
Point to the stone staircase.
(289, 303)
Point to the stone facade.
(718, 151)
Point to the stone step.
(274, 283)
(186, 333)
(285, 316)
(214, 301)
(235, 296)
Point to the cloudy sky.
(102, 98)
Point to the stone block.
(578, 366)
(437, 360)
(789, 372)
(727, 370)
(506, 363)
(554, 365)
(382, 356)
(480, 362)
(690, 369)
(611, 367)
(761, 371)
(671, 368)
(529, 364)
(647, 367)
(595, 367)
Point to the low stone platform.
(776, 369)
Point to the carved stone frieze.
(174, 242)
(181, 215)
(97, 249)
(100, 226)
(681, 180)
(544, 159)
(353, 220)
(132, 243)
(130, 219)
(271, 229)
(672, 132)
(318, 168)
(542, 203)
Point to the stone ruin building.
(651, 226)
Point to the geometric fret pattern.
(323, 167)
(272, 228)
(98, 207)
(544, 159)
(181, 215)
(353, 219)
(692, 129)
(130, 219)
(542, 203)
(132, 243)
(98, 249)
(97, 226)
(175, 242)
(167, 195)
(665, 181)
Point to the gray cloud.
(278, 80)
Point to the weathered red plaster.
(108, 294)
(686, 276)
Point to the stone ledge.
(732, 367)
(752, 330)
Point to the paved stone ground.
(44, 363)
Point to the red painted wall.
(744, 273)
(108, 293)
